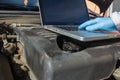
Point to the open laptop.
(64, 17)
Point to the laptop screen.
(63, 12)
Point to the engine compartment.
(20, 44)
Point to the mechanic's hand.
(98, 24)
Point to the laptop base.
(82, 35)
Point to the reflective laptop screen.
(63, 12)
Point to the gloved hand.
(99, 24)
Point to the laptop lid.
(63, 12)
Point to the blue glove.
(99, 24)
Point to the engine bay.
(16, 44)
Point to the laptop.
(64, 17)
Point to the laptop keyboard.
(68, 27)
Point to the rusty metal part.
(6, 28)
(116, 74)
(9, 36)
(24, 68)
(16, 58)
(19, 58)
(9, 47)
(19, 66)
